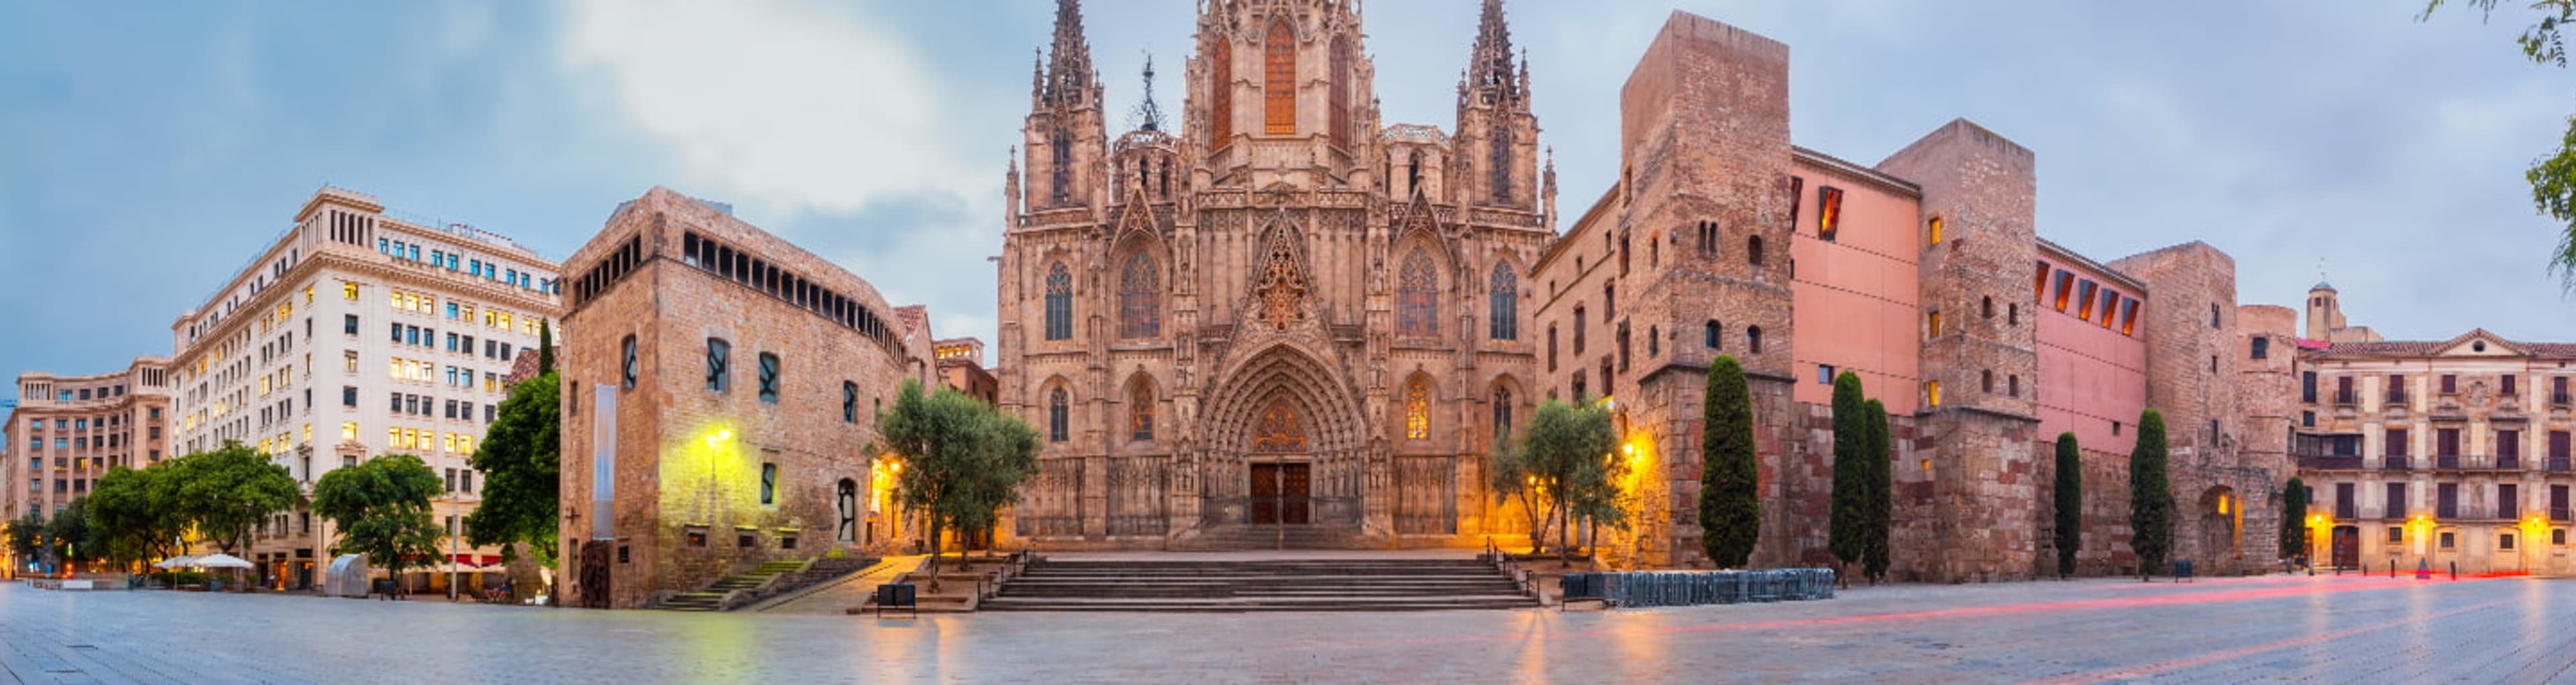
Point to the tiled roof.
(2313, 344)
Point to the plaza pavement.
(2281, 628)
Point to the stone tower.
(1065, 139)
(1497, 134)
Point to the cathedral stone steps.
(1281, 585)
(1237, 538)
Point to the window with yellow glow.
(1279, 81)
(1417, 409)
(308, 433)
(349, 361)
(308, 293)
(1935, 230)
(1934, 322)
(1932, 391)
(349, 291)
(1829, 212)
(1220, 91)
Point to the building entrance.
(2347, 547)
(1279, 493)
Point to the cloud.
(771, 103)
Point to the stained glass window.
(1502, 412)
(1341, 95)
(1140, 298)
(1220, 90)
(1279, 81)
(1417, 409)
(1505, 309)
(1501, 161)
(1059, 416)
(1277, 430)
(1059, 303)
(1417, 296)
(1140, 409)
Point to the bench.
(898, 596)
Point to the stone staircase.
(1261, 585)
(714, 596)
(1238, 538)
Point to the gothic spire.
(1069, 72)
(1489, 66)
(1149, 115)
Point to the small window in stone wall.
(787, 541)
(696, 537)
(2447, 539)
(2115, 429)
(2558, 537)
(745, 540)
(2504, 541)
(2013, 383)
(623, 558)
(768, 484)
(2396, 534)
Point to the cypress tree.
(2070, 503)
(1881, 468)
(2150, 496)
(1849, 522)
(1730, 511)
(2294, 517)
(545, 347)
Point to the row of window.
(109, 392)
(2091, 302)
(2396, 443)
(719, 375)
(108, 421)
(453, 261)
(2394, 390)
(741, 267)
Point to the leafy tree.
(521, 460)
(137, 513)
(2070, 502)
(1849, 519)
(1508, 478)
(963, 460)
(27, 539)
(1880, 466)
(2294, 519)
(226, 492)
(1564, 458)
(2553, 175)
(1730, 508)
(382, 510)
(74, 538)
(2150, 496)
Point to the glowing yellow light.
(1629, 449)
(896, 467)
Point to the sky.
(148, 150)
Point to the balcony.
(2396, 462)
(2561, 399)
(2558, 514)
(2330, 462)
(2347, 397)
(2560, 465)
(2397, 398)
(2346, 511)
(2446, 512)
(2508, 462)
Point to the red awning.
(475, 559)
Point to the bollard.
(2455, 570)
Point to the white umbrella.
(176, 562)
(220, 561)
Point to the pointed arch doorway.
(1279, 466)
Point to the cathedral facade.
(1279, 320)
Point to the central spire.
(1490, 64)
(1069, 75)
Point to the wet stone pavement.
(2323, 629)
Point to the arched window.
(1712, 335)
(1500, 159)
(1341, 93)
(1220, 91)
(627, 367)
(1060, 172)
(1059, 303)
(1140, 408)
(1279, 81)
(1578, 329)
(1059, 416)
(1502, 412)
(1753, 339)
(1140, 298)
(1987, 306)
(1417, 296)
(1753, 250)
(2262, 348)
(2012, 385)
(845, 502)
(849, 402)
(1505, 308)
(1417, 408)
(1707, 239)
(719, 361)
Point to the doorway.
(1279, 493)
(2347, 547)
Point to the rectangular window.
(1829, 212)
(2039, 288)
(2065, 288)
(768, 484)
(768, 378)
(2450, 384)
(2395, 506)
(1825, 374)
(2111, 302)
(2128, 316)
(2505, 385)
(2308, 387)
(349, 324)
(2084, 300)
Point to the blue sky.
(147, 150)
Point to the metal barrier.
(1685, 588)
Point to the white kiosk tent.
(347, 576)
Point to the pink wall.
(1855, 299)
(2090, 377)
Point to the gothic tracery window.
(1340, 108)
(1502, 412)
(1277, 429)
(1059, 303)
(1059, 416)
(1140, 298)
(1140, 409)
(1417, 296)
(1279, 81)
(1417, 409)
(1505, 309)
(1060, 173)
(1220, 91)
(1501, 161)
(1280, 286)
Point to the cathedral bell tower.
(1066, 137)
(1281, 92)
(1497, 136)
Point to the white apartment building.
(357, 334)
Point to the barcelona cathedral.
(1279, 317)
